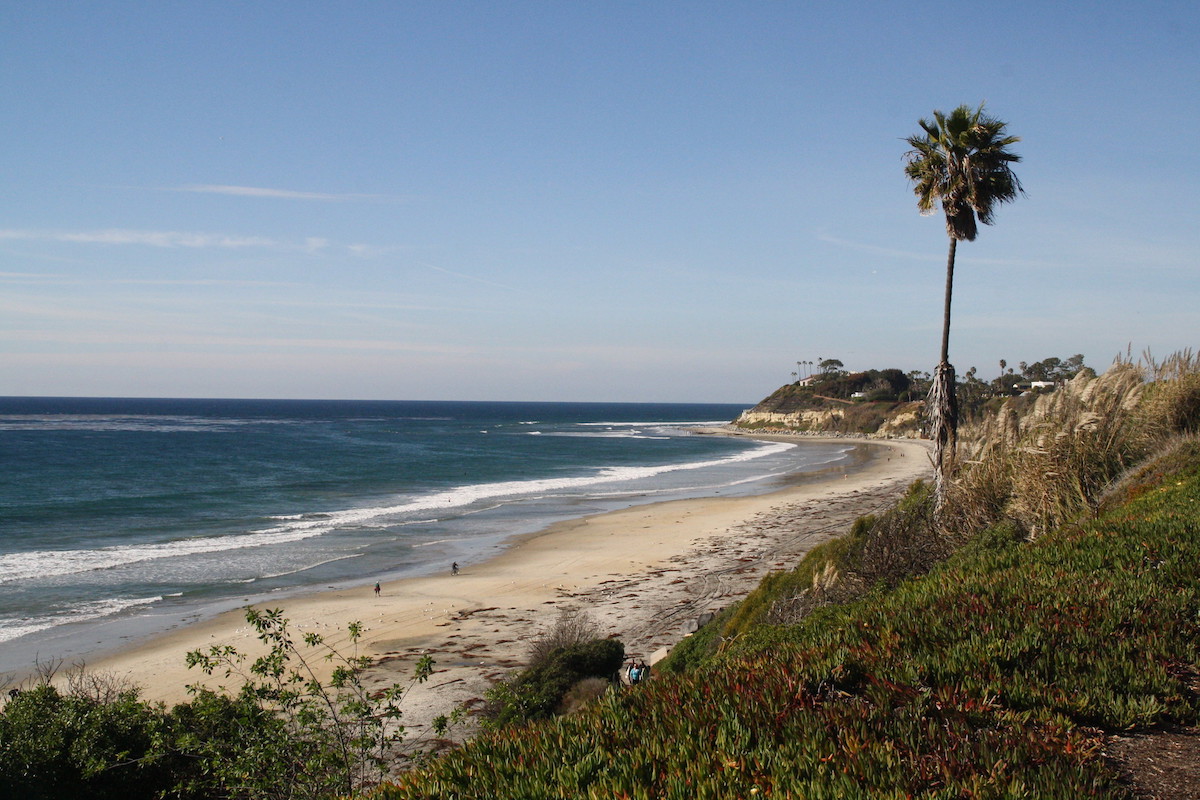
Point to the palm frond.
(963, 162)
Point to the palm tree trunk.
(946, 309)
(942, 405)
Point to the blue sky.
(574, 201)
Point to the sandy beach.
(644, 574)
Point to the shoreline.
(643, 574)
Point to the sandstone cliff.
(797, 409)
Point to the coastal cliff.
(799, 408)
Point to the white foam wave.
(468, 495)
(633, 433)
(629, 434)
(94, 610)
(658, 424)
(49, 563)
(298, 570)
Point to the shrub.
(903, 542)
(1174, 456)
(284, 734)
(302, 736)
(581, 694)
(878, 551)
(54, 745)
(236, 748)
(537, 692)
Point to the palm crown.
(962, 161)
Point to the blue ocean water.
(134, 510)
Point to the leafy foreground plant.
(283, 734)
(324, 737)
(993, 676)
(55, 745)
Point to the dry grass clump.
(1046, 464)
(100, 687)
(581, 694)
(75, 681)
(1172, 403)
(571, 627)
(1076, 441)
(903, 541)
(979, 495)
(830, 586)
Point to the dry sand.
(644, 574)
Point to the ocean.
(124, 517)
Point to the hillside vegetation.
(888, 402)
(871, 402)
(986, 653)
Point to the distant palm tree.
(962, 161)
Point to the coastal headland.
(644, 574)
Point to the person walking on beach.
(454, 568)
(377, 590)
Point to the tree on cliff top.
(962, 161)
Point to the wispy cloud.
(117, 236)
(170, 239)
(875, 249)
(277, 194)
(371, 250)
(466, 277)
(26, 276)
(139, 338)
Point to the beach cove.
(644, 574)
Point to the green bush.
(284, 734)
(238, 748)
(537, 692)
(306, 737)
(54, 746)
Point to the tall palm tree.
(962, 161)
